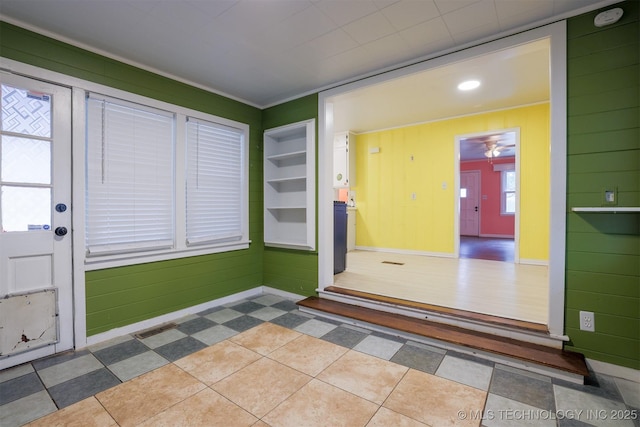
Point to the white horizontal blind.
(215, 177)
(130, 177)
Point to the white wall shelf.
(289, 186)
(610, 209)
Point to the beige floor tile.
(260, 424)
(320, 404)
(308, 354)
(261, 386)
(87, 412)
(436, 401)
(265, 338)
(206, 408)
(386, 417)
(214, 363)
(363, 375)
(137, 400)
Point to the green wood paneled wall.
(121, 296)
(291, 270)
(603, 250)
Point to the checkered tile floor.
(33, 390)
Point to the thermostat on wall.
(608, 17)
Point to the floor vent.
(155, 331)
(393, 262)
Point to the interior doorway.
(554, 38)
(488, 195)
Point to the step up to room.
(563, 364)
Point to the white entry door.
(36, 295)
(470, 203)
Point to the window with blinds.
(130, 177)
(214, 182)
(163, 182)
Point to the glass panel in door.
(25, 160)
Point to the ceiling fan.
(492, 145)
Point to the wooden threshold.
(437, 309)
(562, 360)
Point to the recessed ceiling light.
(469, 85)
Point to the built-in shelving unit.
(608, 209)
(289, 186)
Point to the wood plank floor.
(553, 358)
(501, 289)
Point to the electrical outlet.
(587, 321)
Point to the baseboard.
(169, 317)
(405, 251)
(498, 236)
(614, 370)
(534, 262)
(281, 293)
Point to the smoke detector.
(608, 17)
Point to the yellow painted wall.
(388, 217)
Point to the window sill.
(603, 209)
(122, 260)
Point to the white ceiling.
(509, 78)
(267, 51)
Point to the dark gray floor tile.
(418, 358)
(195, 325)
(77, 389)
(345, 337)
(471, 358)
(523, 389)
(596, 384)
(634, 415)
(286, 305)
(19, 387)
(119, 352)
(243, 323)
(178, 349)
(566, 422)
(247, 307)
(58, 358)
(289, 320)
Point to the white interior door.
(470, 203)
(36, 295)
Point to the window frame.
(504, 192)
(180, 249)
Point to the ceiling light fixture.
(469, 85)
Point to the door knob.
(61, 231)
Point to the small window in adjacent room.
(508, 199)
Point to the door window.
(25, 166)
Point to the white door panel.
(36, 314)
(470, 203)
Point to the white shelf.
(289, 186)
(276, 208)
(285, 180)
(286, 156)
(604, 209)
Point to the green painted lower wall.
(125, 295)
(291, 270)
(121, 296)
(603, 250)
